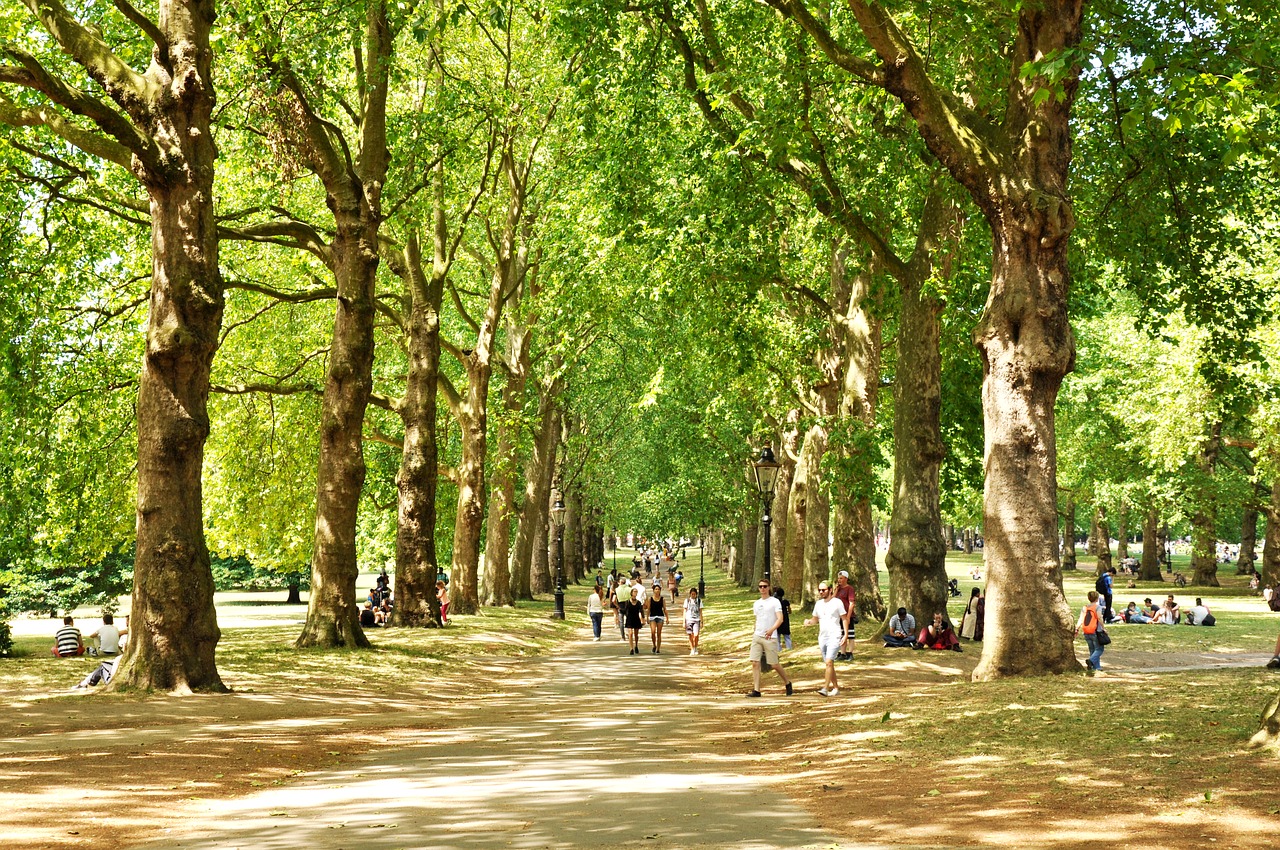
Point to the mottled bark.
(791, 575)
(917, 553)
(417, 565)
(1068, 557)
(1204, 521)
(788, 453)
(1248, 540)
(1122, 532)
(502, 494)
(750, 552)
(1101, 540)
(1270, 572)
(1151, 549)
(353, 193)
(817, 525)
(537, 484)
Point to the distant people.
(1199, 615)
(1149, 608)
(595, 610)
(938, 635)
(679, 578)
(1165, 615)
(108, 636)
(953, 587)
(693, 619)
(68, 643)
(672, 586)
(902, 630)
(1172, 606)
(764, 644)
(442, 594)
(368, 617)
(1090, 619)
(971, 619)
(849, 597)
(784, 631)
(1254, 581)
(1105, 586)
(832, 620)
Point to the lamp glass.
(766, 471)
(557, 513)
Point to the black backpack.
(1101, 584)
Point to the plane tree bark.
(156, 125)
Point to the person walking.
(832, 620)
(1090, 618)
(764, 644)
(693, 619)
(595, 610)
(633, 617)
(655, 610)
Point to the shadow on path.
(590, 748)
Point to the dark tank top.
(656, 607)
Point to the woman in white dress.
(969, 622)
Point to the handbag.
(1102, 637)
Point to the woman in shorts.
(632, 616)
(693, 619)
(655, 608)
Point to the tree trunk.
(1151, 549)
(1122, 532)
(917, 554)
(1102, 540)
(791, 576)
(537, 487)
(572, 537)
(1270, 572)
(1027, 349)
(1204, 521)
(1069, 533)
(1268, 734)
(417, 563)
(750, 553)
(817, 524)
(968, 541)
(1248, 540)
(353, 192)
(295, 594)
(788, 453)
(174, 629)
(502, 496)
(758, 561)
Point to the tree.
(156, 125)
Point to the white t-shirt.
(693, 609)
(594, 605)
(829, 611)
(1197, 615)
(768, 612)
(108, 638)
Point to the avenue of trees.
(305, 290)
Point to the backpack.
(1101, 584)
(1090, 619)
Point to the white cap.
(844, 574)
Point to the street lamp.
(557, 518)
(615, 548)
(765, 471)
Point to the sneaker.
(753, 693)
(1274, 663)
(790, 690)
(823, 692)
(957, 648)
(1088, 664)
(596, 639)
(833, 692)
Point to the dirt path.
(589, 748)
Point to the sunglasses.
(763, 586)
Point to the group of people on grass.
(69, 643)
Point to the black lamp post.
(557, 518)
(702, 559)
(615, 548)
(765, 471)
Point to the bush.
(6, 639)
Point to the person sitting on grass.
(1200, 616)
(1133, 615)
(67, 643)
(902, 630)
(1166, 614)
(938, 635)
(1149, 608)
(368, 617)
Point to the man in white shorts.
(764, 643)
(833, 621)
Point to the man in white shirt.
(832, 619)
(764, 644)
(108, 636)
(1199, 615)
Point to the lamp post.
(702, 559)
(615, 548)
(557, 517)
(765, 471)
